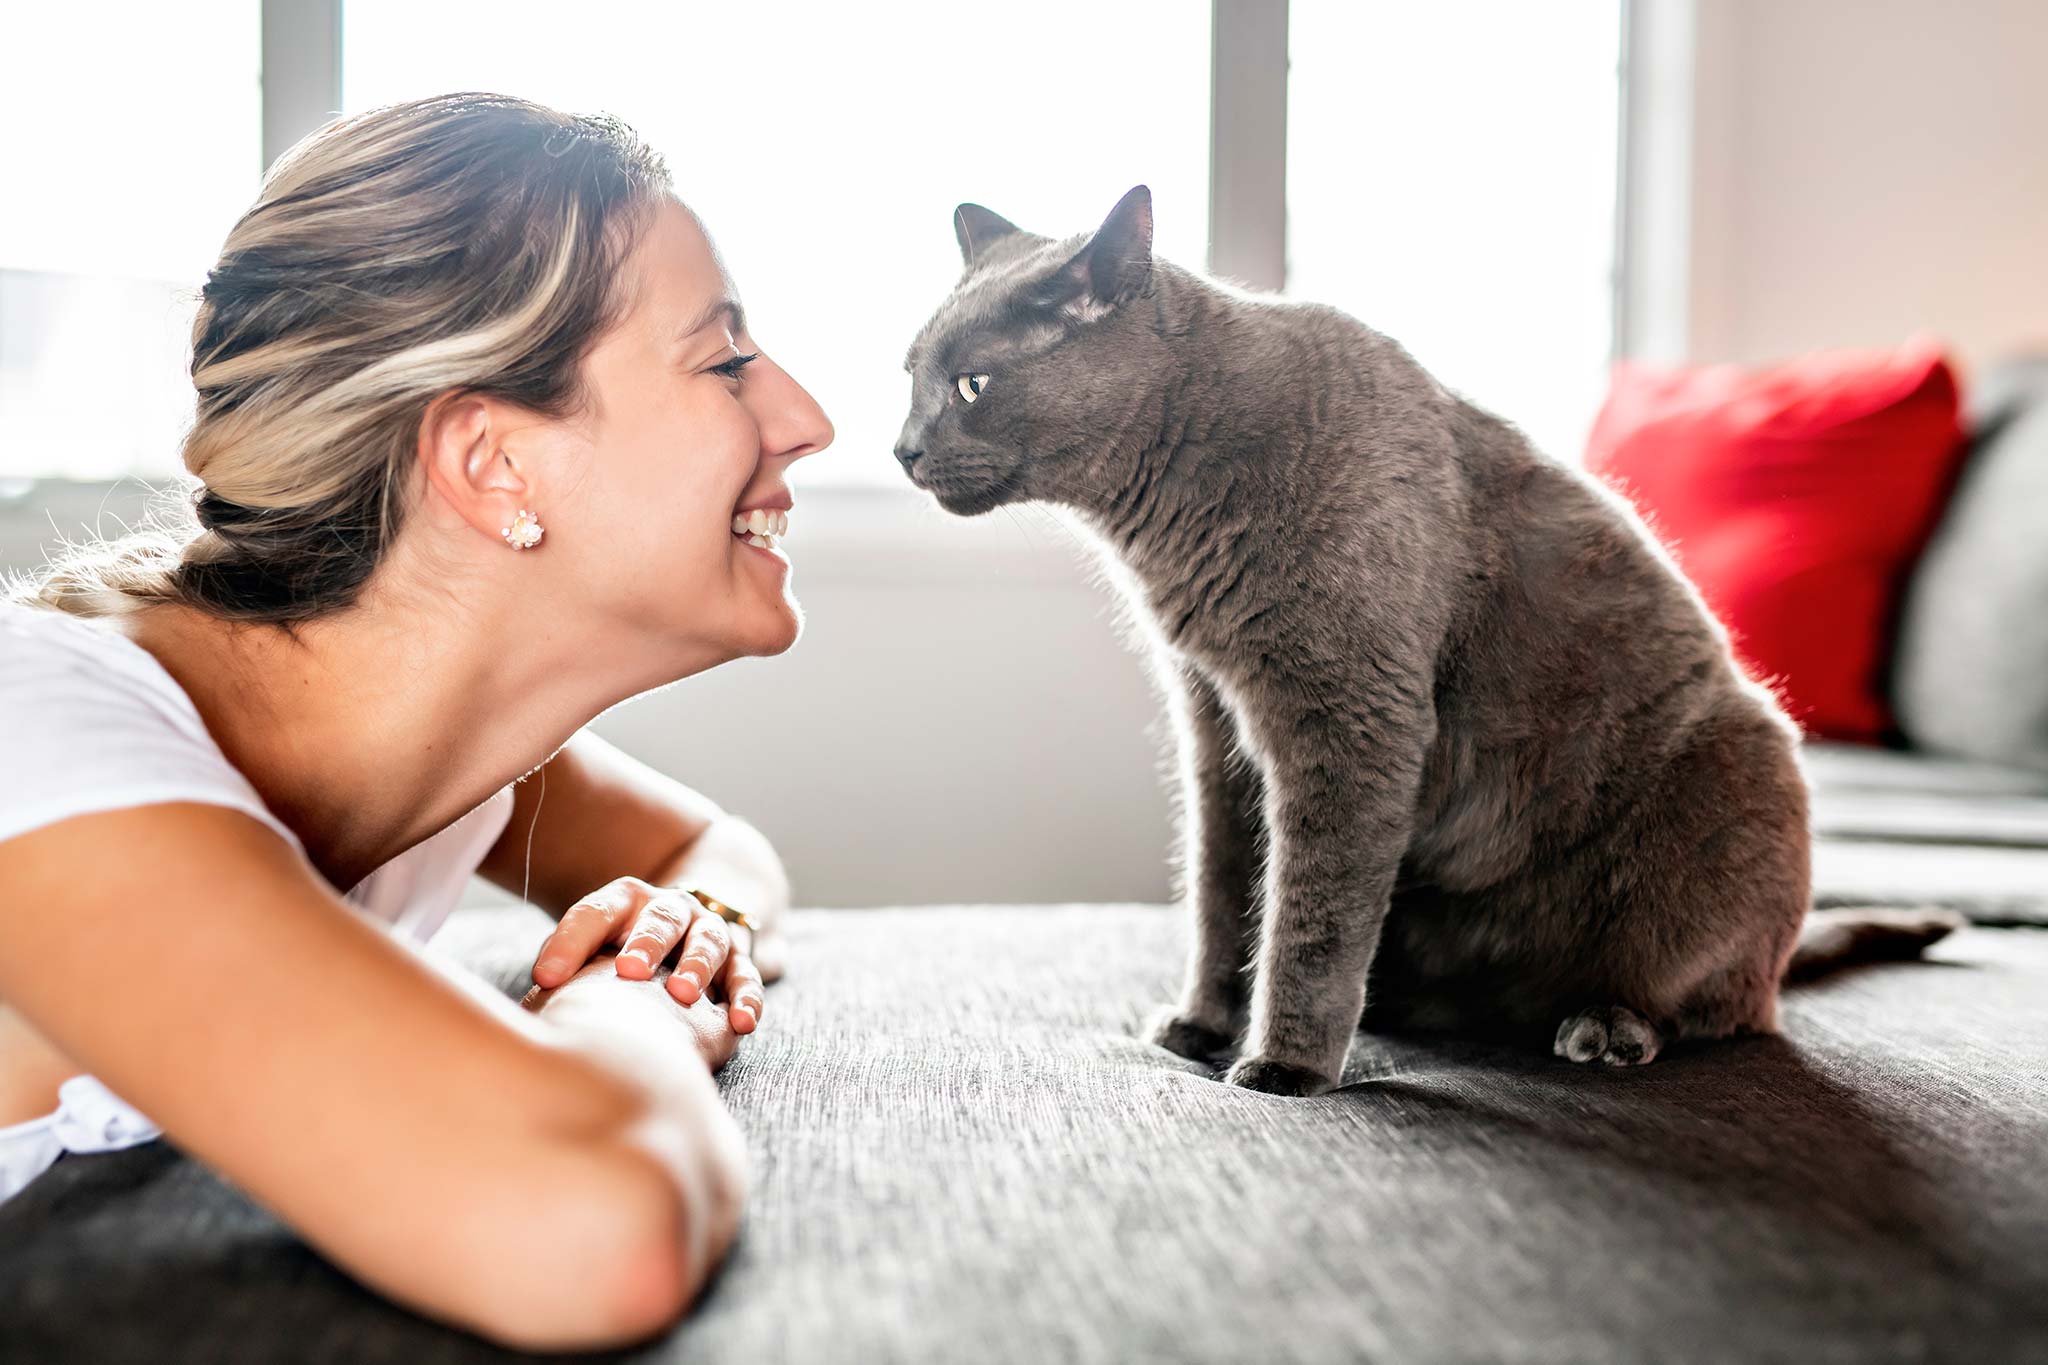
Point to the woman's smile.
(762, 527)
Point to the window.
(1450, 182)
(123, 177)
(825, 144)
(1450, 176)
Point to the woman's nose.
(795, 425)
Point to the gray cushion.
(961, 1153)
(1909, 828)
(1970, 675)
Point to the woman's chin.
(765, 629)
(777, 632)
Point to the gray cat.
(1461, 750)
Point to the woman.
(483, 449)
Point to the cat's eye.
(971, 385)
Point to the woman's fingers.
(656, 930)
(743, 992)
(648, 922)
(585, 927)
(705, 947)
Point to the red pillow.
(1796, 497)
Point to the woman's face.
(683, 434)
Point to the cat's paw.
(1183, 1037)
(1276, 1078)
(1613, 1036)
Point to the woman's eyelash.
(731, 368)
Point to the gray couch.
(962, 1152)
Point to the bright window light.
(1455, 193)
(825, 144)
(1450, 182)
(129, 156)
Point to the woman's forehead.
(682, 284)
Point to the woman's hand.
(647, 923)
(709, 1021)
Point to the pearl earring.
(525, 531)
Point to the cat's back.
(1554, 606)
(1296, 361)
(1576, 619)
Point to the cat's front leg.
(1341, 784)
(1221, 820)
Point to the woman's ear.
(462, 451)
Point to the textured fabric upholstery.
(1906, 829)
(962, 1153)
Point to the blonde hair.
(469, 243)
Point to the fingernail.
(550, 965)
(641, 953)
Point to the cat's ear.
(977, 227)
(1116, 264)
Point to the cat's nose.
(910, 442)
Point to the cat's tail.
(1836, 938)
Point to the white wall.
(960, 721)
(1861, 170)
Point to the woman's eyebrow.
(726, 307)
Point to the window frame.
(301, 71)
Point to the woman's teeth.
(760, 526)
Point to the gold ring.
(724, 911)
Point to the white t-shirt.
(90, 721)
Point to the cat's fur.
(1449, 720)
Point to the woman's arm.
(592, 815)
(561, 1181)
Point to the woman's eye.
(971, 385)
(731, 368)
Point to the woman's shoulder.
(54, 665)
(38, 640)
(89, 721)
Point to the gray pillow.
(1970, 676)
